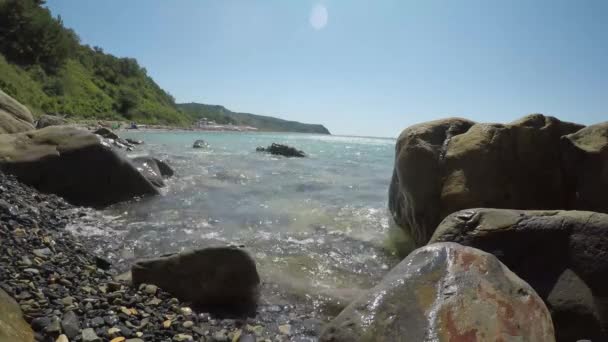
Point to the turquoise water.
(319, 221)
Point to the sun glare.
(318, 17)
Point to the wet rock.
(445, 292)
(106, 133)
(165, 170)
(561, 254)
(74, 164)
(282, 150)
(134, 142)
(153, 169)
(102, 263)
(223, 278)
(14, 117)
(200, 144)
(50, 120)
(12, 325)
(448, 165)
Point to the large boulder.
(50, 120)
(218, 278)
(585, 161)
(13, 328)
(448, 165)
(414, 193)
(74, 164)
(563, 255)
(445, 292)
(14, 117)
(153, 169)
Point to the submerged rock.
(563, 255)
(134, 142)
(50, 120)
(13, 328)
(200, 144)
(153, 169)
(282, 150)
(218, 278)
(445, 292)
(448, 165)
(74, 164)
(14, 117)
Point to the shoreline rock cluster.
(86, 168)
(50, 280)
(64, 289)
(504, 249)
(531, 193)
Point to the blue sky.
(374, 67)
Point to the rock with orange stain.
(445, 292)
(563, 255)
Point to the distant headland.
(44, 66)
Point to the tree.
(30, 35)
(127, 101)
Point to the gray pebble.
(54, 327)
(70, 324)
(97, 322)
(247, 338)
(89, 335)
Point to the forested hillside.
(44, 66)
(221, 115)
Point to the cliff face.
(222, 115)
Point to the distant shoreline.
(125, 127)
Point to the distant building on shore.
(204, 122)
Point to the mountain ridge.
(223, 115)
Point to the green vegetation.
(221, 115)
(44, 66)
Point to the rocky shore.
(504, 228)
(64, 289)
(531, 192)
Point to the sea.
(316, 226)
